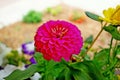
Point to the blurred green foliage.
(15, 58)
(33, 17)
(54, 11)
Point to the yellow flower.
(112, 15)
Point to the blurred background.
(13, 10)
(18, 25)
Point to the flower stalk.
(110, 51)
(102, 26)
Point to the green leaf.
(79, 75)
(83, 52)
(89, 39)
(88, 69)
(51, 69)
(87, 42)
(71, 71)
(101, 58)
(50, 66)
(80, 71)
(22, 75)
(93, 70)
(79, 66)
(54, 68)
(113, 31)
(93, 16)
(65, 74)
(57, 69)
(87, 57)
(39, 58)
(47, 77)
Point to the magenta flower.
(58, 39)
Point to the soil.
(15, 34)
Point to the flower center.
(59, 32)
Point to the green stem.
(96, 37)
(114, 50)
(94, 40)
(111, 67)
(110, 49)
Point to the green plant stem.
(111, 66)
(94, 40)
(115, 49)
(96, 37)
(110, 49)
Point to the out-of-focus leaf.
(101, 58)
(15, 58)
(93, 16)
(113, 31)
(65, 74)
(83, 52)
(39, 58)
(52, 70)
(54, 11)
(47, 77)
(118, 49)
(88, 69)
(87, 42)
(89, 39)
(22, 75)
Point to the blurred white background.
(13, 10)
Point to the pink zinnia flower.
(58, 39)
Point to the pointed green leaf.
(113, 31)
(93, 16)
(22, 75)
